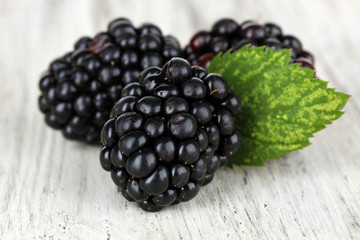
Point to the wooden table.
(51, 188)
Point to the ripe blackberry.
(226, 34)
(169, 133)
(80, 88)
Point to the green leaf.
(282, 104)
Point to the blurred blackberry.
(80, 88)
(169, 133)
(226, 34)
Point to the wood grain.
(51, 188)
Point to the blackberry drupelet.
(169, 134)
(80, 88)
(226, 34)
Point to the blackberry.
(226, 34)
(80, 88)
(169, 133)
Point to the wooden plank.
(51, 188)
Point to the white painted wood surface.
(51, 188)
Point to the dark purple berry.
(225, 27)
(272, 30)
(105, 159)
(141, 163)
(149, 29)
(125, 192)
(202, 139)
(119, 177)
(273, 43)
(150, 82)
(166, 90)
(101, 118)
(132, 141)
(180, 175)
(230, 144)
(308, 56)
(62, 112)
(305, 63)
(177, 70)
(133, 187)
(151, 59)
(130, 75)
(89, 80)
(165, 137)
(150, 71)
(227, 34)
(83, 106)
(166, 198)
(157, 182)
(188, 152)
(213, 134)
(127, 122)
(213, 165)
(149, 43)
(117, 158)
(43, 104)
(224, 160)
(150, 206)
(198, 169)
(149, 105)
(175, 105)
(108, 135)
(155, 127)
(200, 41)
(219, 44)
(124, 105)
(232, 103)
(225, 122)
(244, 42)
(194, 88)
(253, 32)
(165, 148)
(80, 125)
(201, 111)
(188, 192)
(182, 125)
(293, 43)
(208, 178)
(132, 89)
(218, 87)
(199, 72)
